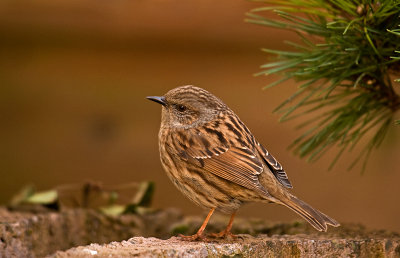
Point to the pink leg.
(227, 231)
(199, 234)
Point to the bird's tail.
(316, 218)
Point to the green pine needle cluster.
(346, 68)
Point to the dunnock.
(214, 159)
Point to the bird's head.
(188, 106)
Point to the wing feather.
(275, 166)
(222, 156)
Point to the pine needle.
(346, 73)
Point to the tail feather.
(316, 218)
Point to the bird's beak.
(161, 100)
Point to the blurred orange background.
(73, 80)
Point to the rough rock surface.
(27, 234)
(37, 233)
(245, 246)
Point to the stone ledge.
(245, 246)
(37, 233)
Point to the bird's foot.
(223, 234)
(195, 237)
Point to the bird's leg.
(199, 234)
(227, 231)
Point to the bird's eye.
(181, 108)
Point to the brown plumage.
(214, 160)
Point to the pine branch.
(350, 50)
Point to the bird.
(211, 156)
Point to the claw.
(223, 234)
(194, 237)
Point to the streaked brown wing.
(238, 166)
(274, 166)
(220, 155)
